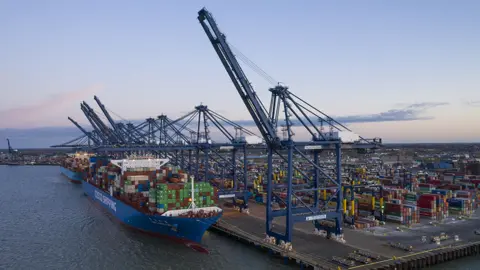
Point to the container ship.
(75, 167)
(146, 195)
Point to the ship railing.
(175, 213)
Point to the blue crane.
(87, 141)
(152, 135)
(119, 133)
(80, 143)
(173, 139)
(297, 109)
(101, 135)
(96, 126)
(109, 136)
(148, 135)
(10, 149)
(170, 132)
(188, 134)
(91, 135)
(203, 121)
(12, 152)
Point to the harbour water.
(47, 223)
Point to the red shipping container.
(393, 207)
(426, 204)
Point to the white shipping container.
(142, 178)
(137, 177)
(131, 178)
(129, 189)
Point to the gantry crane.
(12, 152)
(267, 123)
(202, 119)
(163, 136)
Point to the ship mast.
(192, 204)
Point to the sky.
(405, 71)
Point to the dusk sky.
(406, 71)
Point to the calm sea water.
(47, 223)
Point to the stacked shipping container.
(462, 202)
(152, 191)
(178, 196)
(401, 213)
(77, 164)
(424, 188)
(433, 206)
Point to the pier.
(425, 258)
(312, 251)
(309, 250)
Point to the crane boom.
(10, 149)
(105, 112)
(122, 131)
(239, 79)
(88, 134)
(117, 133)
(96, 128)
(110, 135)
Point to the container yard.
(399, 222)
(338, 201)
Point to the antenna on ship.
(192, 204)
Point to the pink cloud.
(47, 112)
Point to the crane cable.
(272, 81)
(253, 66)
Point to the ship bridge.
(126, 164)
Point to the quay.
(425, 258)
(302, 259)
(311, 251)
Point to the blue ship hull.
(74, 177)
(178, 228)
